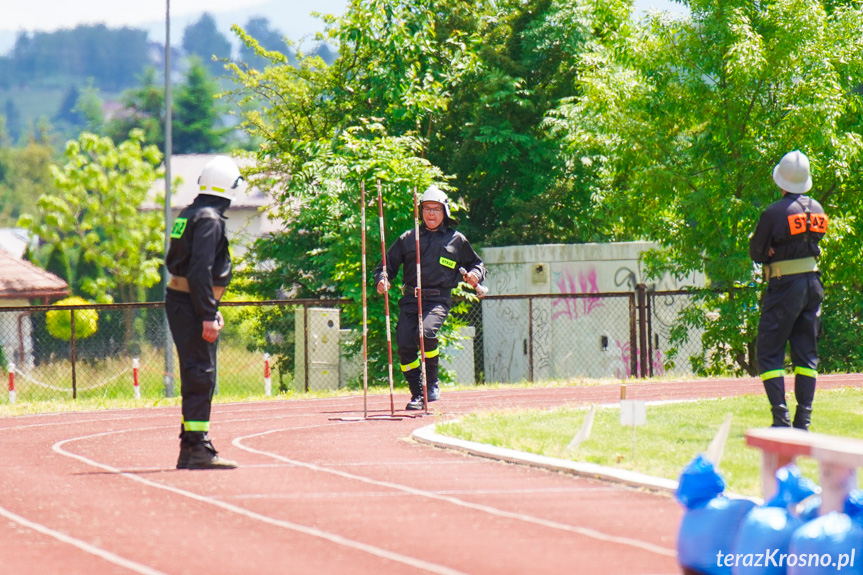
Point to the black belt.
(425, 291)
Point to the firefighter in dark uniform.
(443, 252)
(200, 266)
(785, 242)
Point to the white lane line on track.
(592, 533)
(312, 531)
(83, 545)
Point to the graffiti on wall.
(583, 281)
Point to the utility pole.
(169, 342)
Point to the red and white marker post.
(135, 365)
(12, 395)
(268, 382)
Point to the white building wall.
(584, 337)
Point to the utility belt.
(425, 291)
(790, 267)
(181, 284)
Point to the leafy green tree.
(507, 165)
(267, 38)
(112, 56)
(204, 40)
(95, 208)
(143, 109)
(196, 118)
(685, 118)
(14, 122)
(25, 173)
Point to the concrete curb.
(427, 435)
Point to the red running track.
(96, 493)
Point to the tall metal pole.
(386, 297)
(365, 304)
(419, 294)
(169, 342)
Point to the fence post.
(135, 365)
(641, 291)
(12, 395)
(306, 346)
(530, 336)
(268, 382)
(74, 380)
(633, 336)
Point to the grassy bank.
(673, 435)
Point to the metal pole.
(419, 295)
(74, 353)
(169, 342)
(365, 304)
(386, 297)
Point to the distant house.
(20, 283)
(248, 218)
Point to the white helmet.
(435, 194)
(220, 177)
(792, 173)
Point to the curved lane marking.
(83, 545)
(592, 533)
(312, 531)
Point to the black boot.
(201, 453)
(185, 450)
(802, 417)
(416, 403)
(413, 378)
(780, 416)
(775, 389)
(433, 391)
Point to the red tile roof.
(19, 279)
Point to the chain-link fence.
(118, 351)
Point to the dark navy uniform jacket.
(792, 226)
(442, 253)
(199, 252)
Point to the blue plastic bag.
(830, 544)
(711, 521)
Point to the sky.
(291, 17)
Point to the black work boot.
(780, 416)
(802, 417)
(185, 450)
(416, 403)
(202, 454)
(434, 391)
(775, 389)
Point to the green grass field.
(673, 435)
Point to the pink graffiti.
(626, 356)
(585, 282)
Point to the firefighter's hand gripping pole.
(481, 290)
(386, 280)
(419, 292)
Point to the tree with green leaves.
(195, 126)
(25, 173)
(684, 120)
(267, 38)
(203, 39)
(143, 109)
(95, 209)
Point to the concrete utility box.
(565, 337)
(316, 348)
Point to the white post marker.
(633, 412)
(268, 382)
(135, 365)
(11, 383)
